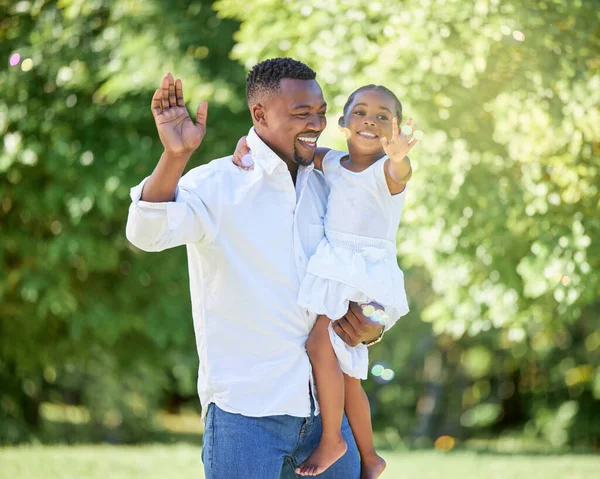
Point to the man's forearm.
(162, 184)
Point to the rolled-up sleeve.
(159, 226)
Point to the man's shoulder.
(213, 167)
(215, 171)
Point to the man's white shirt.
(249, 235)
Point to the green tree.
(504, 200)
(84, 317)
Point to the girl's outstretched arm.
(398, 170)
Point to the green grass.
(183, 461)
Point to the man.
(249, 237)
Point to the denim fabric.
(271, 447)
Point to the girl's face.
(369, 118)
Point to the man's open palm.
(176, 129)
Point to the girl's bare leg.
(329, 382)
(358, 413)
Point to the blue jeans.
(271, 447)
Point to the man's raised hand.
(178, 133)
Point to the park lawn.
(183, 461)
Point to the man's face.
(293, 120)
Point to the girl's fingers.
(395, 132)
(384, 142)
(412, 135)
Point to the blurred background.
(499, 239)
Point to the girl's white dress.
(356, 261)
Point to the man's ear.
(258, 114)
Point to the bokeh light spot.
(444, 443)
(518, 36)
(377, 370)
(14, 59)
(27, 64)
(368, 310)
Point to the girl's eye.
(359, 112)
(383, 117)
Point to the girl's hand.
(401, 142)
(242, 156)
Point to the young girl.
(356, 261)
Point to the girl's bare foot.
(371, 467)
(325, 454)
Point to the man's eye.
(301, 115)
(322, 113)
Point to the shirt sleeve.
(186, 219)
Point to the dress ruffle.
(351, 268)
(353, 361)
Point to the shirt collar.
(265, 157)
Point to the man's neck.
(293, 169)
(291, 164)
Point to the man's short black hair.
(265, 77)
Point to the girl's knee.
(318, 337)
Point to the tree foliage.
(504, 200)
(84, 317)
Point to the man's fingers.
(341, 333)
(164, 86)
(355, 317)
(172, 98)
(156, 105)
(202, 115)
(350, 324)
(179, 92)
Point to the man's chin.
(303, 160)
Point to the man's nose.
(317, 122)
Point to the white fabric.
(249, 236)
(356, 261)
